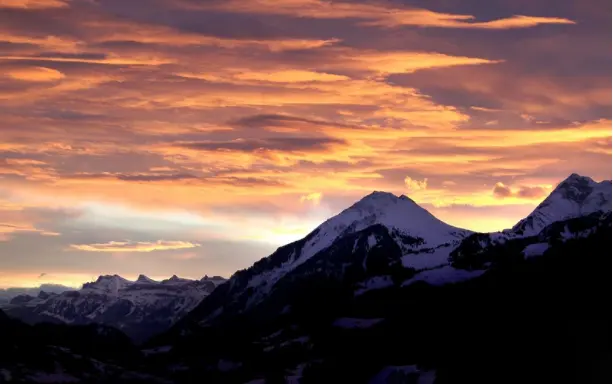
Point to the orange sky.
(193, 138)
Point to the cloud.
(484, 109)
(519, 21)
(222, 116)
(374, 14)
(415, 185)
(42, 275)
(35, 74)
(290, 76)
(288, 144)
(408, 62)
(153, 177)
(131, 246)
(33, 4)
(503, 191)
(269, 121)
(314, 198)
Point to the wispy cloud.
(373, 14)
(134, 246)
(33, 4)
(525, 192)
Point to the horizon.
(190, 138)
(159, 278)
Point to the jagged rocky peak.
(108, 283)
(115, 277)
(579, 188)
(144, 279)
(575, 196)
(45, 295)
(174, 279)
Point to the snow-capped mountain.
(418, 246)
(145, 280)
(576, 196)
(413, 229)
(385, 272)
(378, 221)
(139, 308)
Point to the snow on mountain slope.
(139, 308)
(576, 196)
(175, 280)
(108, 284)
(381, 228)
(413, 228)
(145, 280)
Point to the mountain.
(139, 308)
(7, 294)
(576, 196)
(386, 293)
(385, 276)
(394, 227)
(58, 353)
(413, 246)
(145, 280)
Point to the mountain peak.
(576, 176)
(383, 198)
(575, 179)
(379, 195)
(175, 279)
(575, 196)
(144, 279)
(109, 277)
(108, 283)
(410, 226)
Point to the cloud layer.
(240, 125)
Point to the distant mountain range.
(7, 294)
(383, 292)
(139, 308)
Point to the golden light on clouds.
(254, 127)
(314, 198)
(373, 14)
(139, 246)
(33, 4)
(290, 76)
(35, 74)
(415, 185)
(408, 62)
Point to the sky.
(195, 137)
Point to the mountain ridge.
(425, 242)
(574, 196)
(139, 308)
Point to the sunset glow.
(194, 137)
